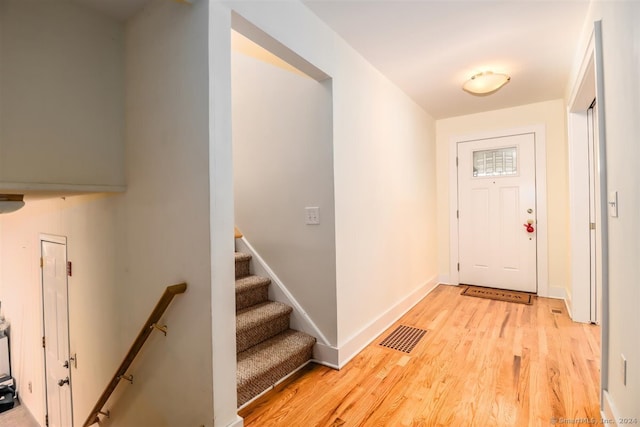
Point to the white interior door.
(56, 334)
(496, 200)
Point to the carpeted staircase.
(267, 349)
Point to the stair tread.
(267, 355)
(251, 282)
(260, 313)
(241, 256)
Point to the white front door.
(56, 334)
(496, 203)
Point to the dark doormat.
(498, 294)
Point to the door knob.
(63, 382)
(529, 227)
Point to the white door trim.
(539, 132)
(62, 240)
(589, 85)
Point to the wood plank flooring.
(481, 363)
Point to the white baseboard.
(555, 292)
(323, 352)
(238, 422)
(360, 340)
(609, 411)
(568, 304)
(326, 355)
(444, 279)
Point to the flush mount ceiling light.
(11, 202)
(485, 83)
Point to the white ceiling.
(429, 48)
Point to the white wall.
(89, 224)
(384, 174)
(163, 221)
(620, 34)
(62, 70)
(283, 162)
(552, 115)
(127, 248)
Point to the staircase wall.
(283, 162)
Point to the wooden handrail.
(238, 233)
(154, 317)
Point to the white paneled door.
(56, 334)
(497, 212)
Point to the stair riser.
(251, 297)
(242, 268)
(254, 386)
(250, 337)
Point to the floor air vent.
(404, 338)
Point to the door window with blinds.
(497, 162)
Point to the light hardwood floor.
(481, 363)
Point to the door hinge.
(458, 214)
(46, 420)
(592, 226)
(458, 266)
(456, 162)
(43, 343)
(69, 269)
(41, 262)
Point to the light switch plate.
(312, 215)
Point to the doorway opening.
(588, 301)
(282, 140)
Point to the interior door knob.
(63, 382)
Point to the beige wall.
(93, 302)
(163, 221)
(551, 114)
(62, 69)
(127, 248)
